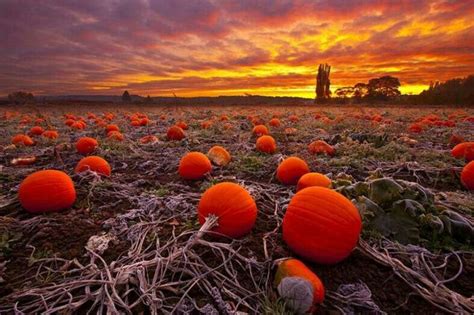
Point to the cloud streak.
(211, 47)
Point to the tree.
(360, 90)
(323, 91)
(383, 88)
(126, 97)
(21, 98)
(345, 92)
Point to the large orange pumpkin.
(86, 145)
(260, 130)
(95, 164)
(464, 150)
(46, 191)
(219, 155)
(175, 133)
(321, 225)
(291, 169)
(467, 176)
(266, 144)
(321, 147)
(22, 140)
(313, 179)
(294, 268)
(194, 165)
(234, 207)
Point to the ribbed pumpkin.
(46, 191)
(467, 176)
(194, 165)
(321, 225)
(234, 207)
(291, 169)
(266, 144)
(22, 140)
(274, 122)
(175, 133)
(36, 131)
(95, 164)
(50, 134)
(219, 155)
(86, 145)
(321, 147)
(115, 135)
(295, 268)
(464, 150)
(260, 130)
(313, 179)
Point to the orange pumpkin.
(260, 130)
(50, 134)
(415, 128)
(115, 135)
(182, 125)
(219, 155)
(175, 133)
(293, 118)
(110, 128)
(266, 144)
(95, 164)
(148, 139)
(86, 145)
(294, 268)
(69, 122)
(234, 207)
(291, 169)
(274, 122)
(135, 123)
(36, 131)
(22, 140)
(467, 176)
(321, 147)
(313, 179)
(206, 124)
(46, 191)
(464, 150)
(194, 165)
(321, 225)
(78, 125)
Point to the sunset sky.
(229, 47)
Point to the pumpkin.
(182, 125)
(22, 139)
(274, 122)
(232, 204)
(321, 225)
(95, 164)
(415, 128)
(86, 145)
(110, 128)
(219, 155)
(224, 118)
(291, 169)
(295, 268)
(467, 176)
(464, 150)
(78, 125)
(148, 139)
(194, 165)
(50, 134)
(144, 121)
(46, 191)
(175, 133)
(115, 135)
(321, 147)
(36, 131)
(290, 131)
(69, 122)
(313, 179)
(293, 118)
(266, 144)
(206, 124)
(260, 130)
(135, 123)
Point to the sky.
(229, 47)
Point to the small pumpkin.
(464, 150)
(291, 169)
(321, 225)
(22, 139)
(293, 118)
(295, 268)
(111, 127)
(182, 125)
(313, 179)
(219, 155)
(232, 204)
(36, 131)
(467, 176)
(266, 144)
(46, 191)
(150, 139)
(260, 130)
(86, 145)
(50, 134)
(115, 135)
(194, 165)
(175, 133)
(275, 122)
(415, 128)
(321, 147)
(95, 164)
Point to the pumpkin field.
(236, 210)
